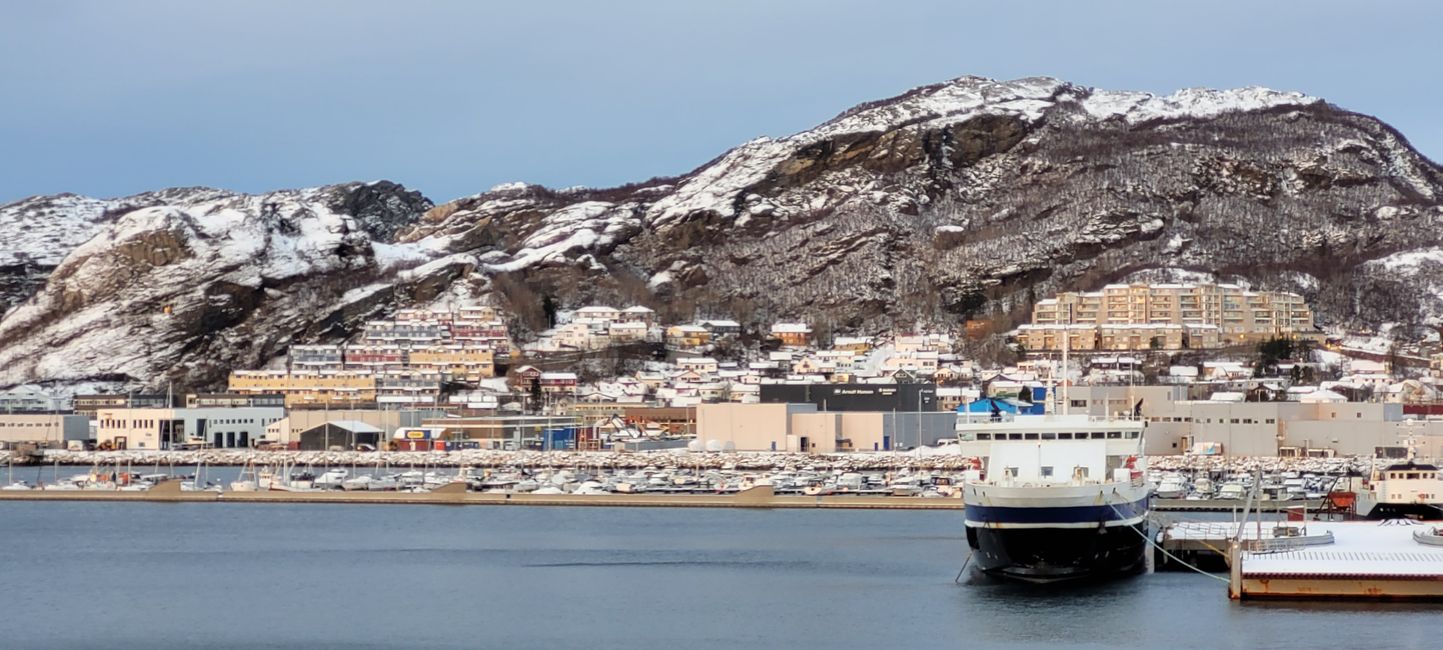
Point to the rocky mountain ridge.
(967, 199)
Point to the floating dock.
(1369, 560)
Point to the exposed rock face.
(966, 199)
(194, 283)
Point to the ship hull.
(1415, 511)
(1045, 555)
(1057, 534)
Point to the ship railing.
(971, 417)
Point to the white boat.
(1056, 497)
(17, 485)
(386, 484)
(1171, 487)
(356, 483)
(332, 479)
(1402, 490)
(1232, 491)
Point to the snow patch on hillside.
(1138, 107)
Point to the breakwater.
(513, 459)
(926, 459)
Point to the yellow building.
(1168, 316)
(308, 389)
(687, 336)
(456, 363)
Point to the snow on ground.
(1135, 107)
(43, 229)
(578, 227)
(1409, 260)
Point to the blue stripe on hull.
(1065, 515)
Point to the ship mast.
(1066, 344)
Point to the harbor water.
(85, 575)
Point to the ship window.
(1009, 472)
(1047, 435)
(1046, 471)
(1132, 435)
(1064, 436)
(1114, 435)
(1097, 435)
(1014, 436)
(1029, 436)
(1412, 474)
(984, 436)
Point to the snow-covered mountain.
(965, 199)
(970, 198)
(186, 283)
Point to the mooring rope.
(958, 579)
(1154, 544)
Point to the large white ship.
(1057, 497)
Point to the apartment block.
(324, 389)
(1168, 317)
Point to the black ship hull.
(1416, 511)
(1045, 555)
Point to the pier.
(1372, 560)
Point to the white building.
(158, 428)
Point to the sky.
(109, 97)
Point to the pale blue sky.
(115, 97)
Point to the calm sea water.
(87, 575)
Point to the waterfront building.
(89, 405)
(854, 397)
(51, 430)
(165, 428)
(803, 428)
(1320, 426)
